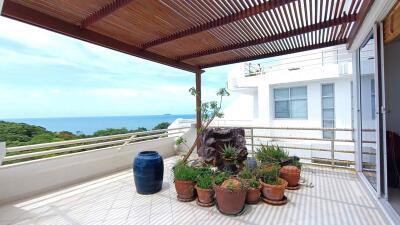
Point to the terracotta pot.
(253, 195)
(230, 201)
(291, 174)
(184, 189)
(274, 192)
(205, 195)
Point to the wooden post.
(198, 104)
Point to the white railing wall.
(35, 176)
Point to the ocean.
(89, 125)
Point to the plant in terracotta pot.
(253, 191)
(273, 187)
(291, 173)
(231, 196)
(268, 154)
(184, 179)
(205, 192)
(229, 154)
(204, 186)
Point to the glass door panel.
(367, 63)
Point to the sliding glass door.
(370, 96)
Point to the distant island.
(19, 134)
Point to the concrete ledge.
(24, 180)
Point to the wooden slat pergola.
(196, 34)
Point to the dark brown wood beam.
(33, 17)
(272, 4)
(360, 19)
(198, 104)
(268, 55)
(103, 12)
(314, 27)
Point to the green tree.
(161, 126)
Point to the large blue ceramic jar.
(148, 169)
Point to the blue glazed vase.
(148, 170)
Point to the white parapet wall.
(22, 180)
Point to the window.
(291, 102)
(328, 109)
(373, 98)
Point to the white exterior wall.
(256, 101)
(23, 180)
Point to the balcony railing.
(307, 143)
(46, 150)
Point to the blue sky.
(44, 74)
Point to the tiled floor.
(336, 198)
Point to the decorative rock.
(213, 141)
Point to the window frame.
(332, 108)
(289, 100)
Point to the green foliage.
(115, 131)
(271, 154)
(184, 172)
(205, 181)
(220, 177)
(229, 152)
(246, 174)
(162, 126)
(204, 171)
(180, 141)
(253, 183)
(269, 174)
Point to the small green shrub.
(253, 183)
(271, 154)
(204, 171)
(220, 177)
(205, 181)
(246, 174)
(269, 174)
(296, 162)
(229, 152)
(184, 172)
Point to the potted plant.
(291, 173)
(184, 179)
(253, 191)
(220, 177)
(231, 196)
(273, 187)
(204, 187)
(229, 154)
(268, 154)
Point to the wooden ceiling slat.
(218, 22)
(314, 27)
(190, 34)
(26, 14)
(268, 55)
(103, 12)
(360, 18)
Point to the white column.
(2, 151)
(1, 5)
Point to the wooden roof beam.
(33, 17)
(278, 53)
(314, 27)
(360, 19)
(262, 7)
(103, 12)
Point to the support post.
(3, 152)
(198, 104)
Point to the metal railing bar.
(79, 141)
